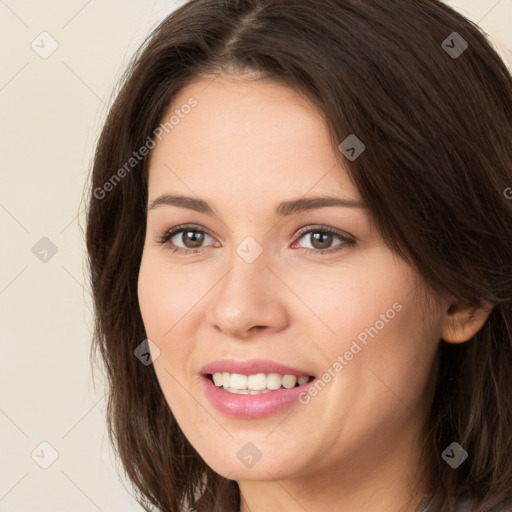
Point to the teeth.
(239, 381)
(246, 391)
(274, 381)
(257, 383)
(289, 381)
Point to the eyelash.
(167, 235)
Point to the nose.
(249, 299)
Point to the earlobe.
(463, 321)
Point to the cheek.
(165, 297)
(170, 301)
(374, 318)
(163, 305)
(346, 300)
(397, 348)
(152, 299)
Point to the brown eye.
(192, 239)
(183, 239)
(321, 240)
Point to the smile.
(257, 383)
(255, 403)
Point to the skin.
(244, 148)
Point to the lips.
(252, 406)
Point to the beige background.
(51, 111)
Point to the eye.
(322, 239)
(193, 236)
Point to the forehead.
(246, 138)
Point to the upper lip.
(251, 367)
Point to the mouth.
(253, 389)
(257, 383)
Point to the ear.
(463, 321)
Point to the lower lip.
(251, 406)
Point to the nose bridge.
(247, 295)
(248, 272)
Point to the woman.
(300, 246)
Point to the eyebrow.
(283, 209)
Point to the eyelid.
(322, 227)
(167, 234)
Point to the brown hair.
(437, 127)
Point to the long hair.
(421, 86)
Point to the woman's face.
(259, 285)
